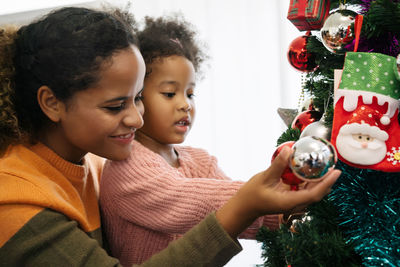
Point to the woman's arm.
(206, 244)
(49, 238)
(263, 195)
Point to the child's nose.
(185, 105)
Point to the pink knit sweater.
(146, 203)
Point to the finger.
(280, 163)
(331, 172)
(320, 189)
(315, 191)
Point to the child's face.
(103, 119)
(168, 100)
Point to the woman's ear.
(49, 103)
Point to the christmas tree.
(358, 223)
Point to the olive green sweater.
(49, 216)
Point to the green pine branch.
(316, 242)
(383, 16)
(289, 135)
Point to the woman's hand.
(262, 195)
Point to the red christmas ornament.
(288, 177)
(298, 55)
(303, 119)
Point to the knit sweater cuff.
(219, 234)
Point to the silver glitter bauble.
(312, 158)
(317, 129)
(338, 30)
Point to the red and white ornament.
(288, 177)
(305, 118)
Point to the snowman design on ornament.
(365, 129)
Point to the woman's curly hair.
(9, 129)
(65, 50)
(170, 35)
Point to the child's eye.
(169, 95)
(191, 95)
(139, 98)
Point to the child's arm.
(161, 198)
(146, 191)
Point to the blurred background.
(246, 80)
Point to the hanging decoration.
(305, 118)
(365, 129)
(338, 30)
(288, 177)
(312, 158)
(308, 15)
(299, 57)
(287, 115)
(317, 129)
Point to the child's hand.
(262, 195)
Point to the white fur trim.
(357, 128)
(385, 120)
(350, 102)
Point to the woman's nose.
(134, 117)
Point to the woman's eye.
(116, 108)
(169, 95)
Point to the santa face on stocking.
(365, 129)
(360, 140)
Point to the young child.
(163, 189)
(70, 87)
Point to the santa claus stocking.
(365, 130)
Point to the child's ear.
(49, 103)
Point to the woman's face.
(103, 119)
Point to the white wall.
(247, 80)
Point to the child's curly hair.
(170, 35)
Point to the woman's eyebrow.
(120, 98)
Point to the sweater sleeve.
(156, 196)
(51, 239)
(147, 191)
(206, 244)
